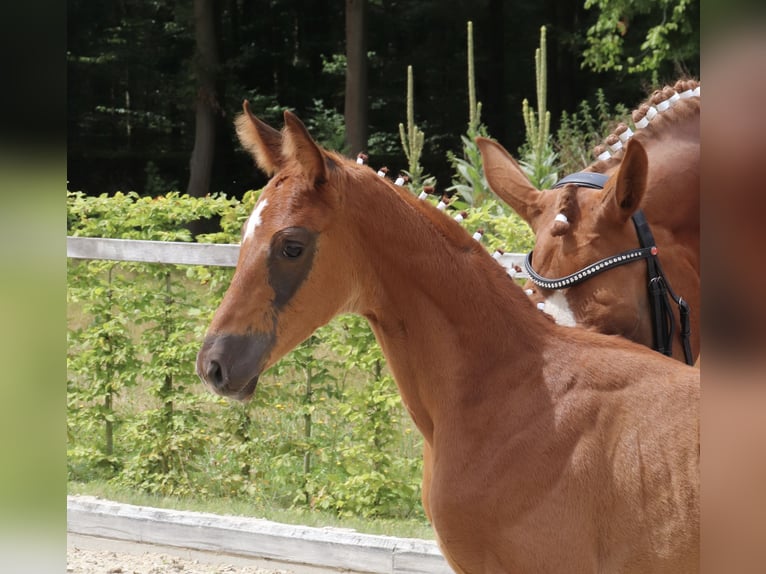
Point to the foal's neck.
(444, 312)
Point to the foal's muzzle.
(230, 364)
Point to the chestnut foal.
(547, 449)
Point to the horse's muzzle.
(230, 364)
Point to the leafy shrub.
(582, 130)
(138, 325)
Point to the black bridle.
(660, 292)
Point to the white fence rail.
(255, 538)
(180, 253)
(172, 252)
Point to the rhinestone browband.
(589, 271)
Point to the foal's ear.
(262, 141)
(299, 146)
(508, 181)
(626, 194)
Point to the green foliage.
(580, 131)
(103, 349)
(313, 383)
(155, 184)
(384, 143)
(138, 325)
(131, 216)
(375, 481)
(372, 479)
(327, 126)
(129, 104)
(669, 37)
(503, 228)
(167, 434)
(335, 65)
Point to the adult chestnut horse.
(587, 219)
(548, 449)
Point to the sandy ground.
(91, 555)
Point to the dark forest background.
(153, 86)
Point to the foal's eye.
(292, 249)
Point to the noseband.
(660, 292)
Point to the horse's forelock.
(567, 202)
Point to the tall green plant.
(469, 181)
(537, 153)
(412, 137)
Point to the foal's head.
(289, 243)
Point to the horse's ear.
(508, 181)
(629, 182)
(299, 146)
(262, 141)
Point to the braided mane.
(660, 111)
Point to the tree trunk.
(355, 113)
(207, 107)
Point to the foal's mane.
(354, 176)
(682, 110)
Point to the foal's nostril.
(214, 374)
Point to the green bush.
(134, 333)
(104, 350)
(585, 128)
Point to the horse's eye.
(291, 249)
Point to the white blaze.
(557, 307)
(255, 219)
